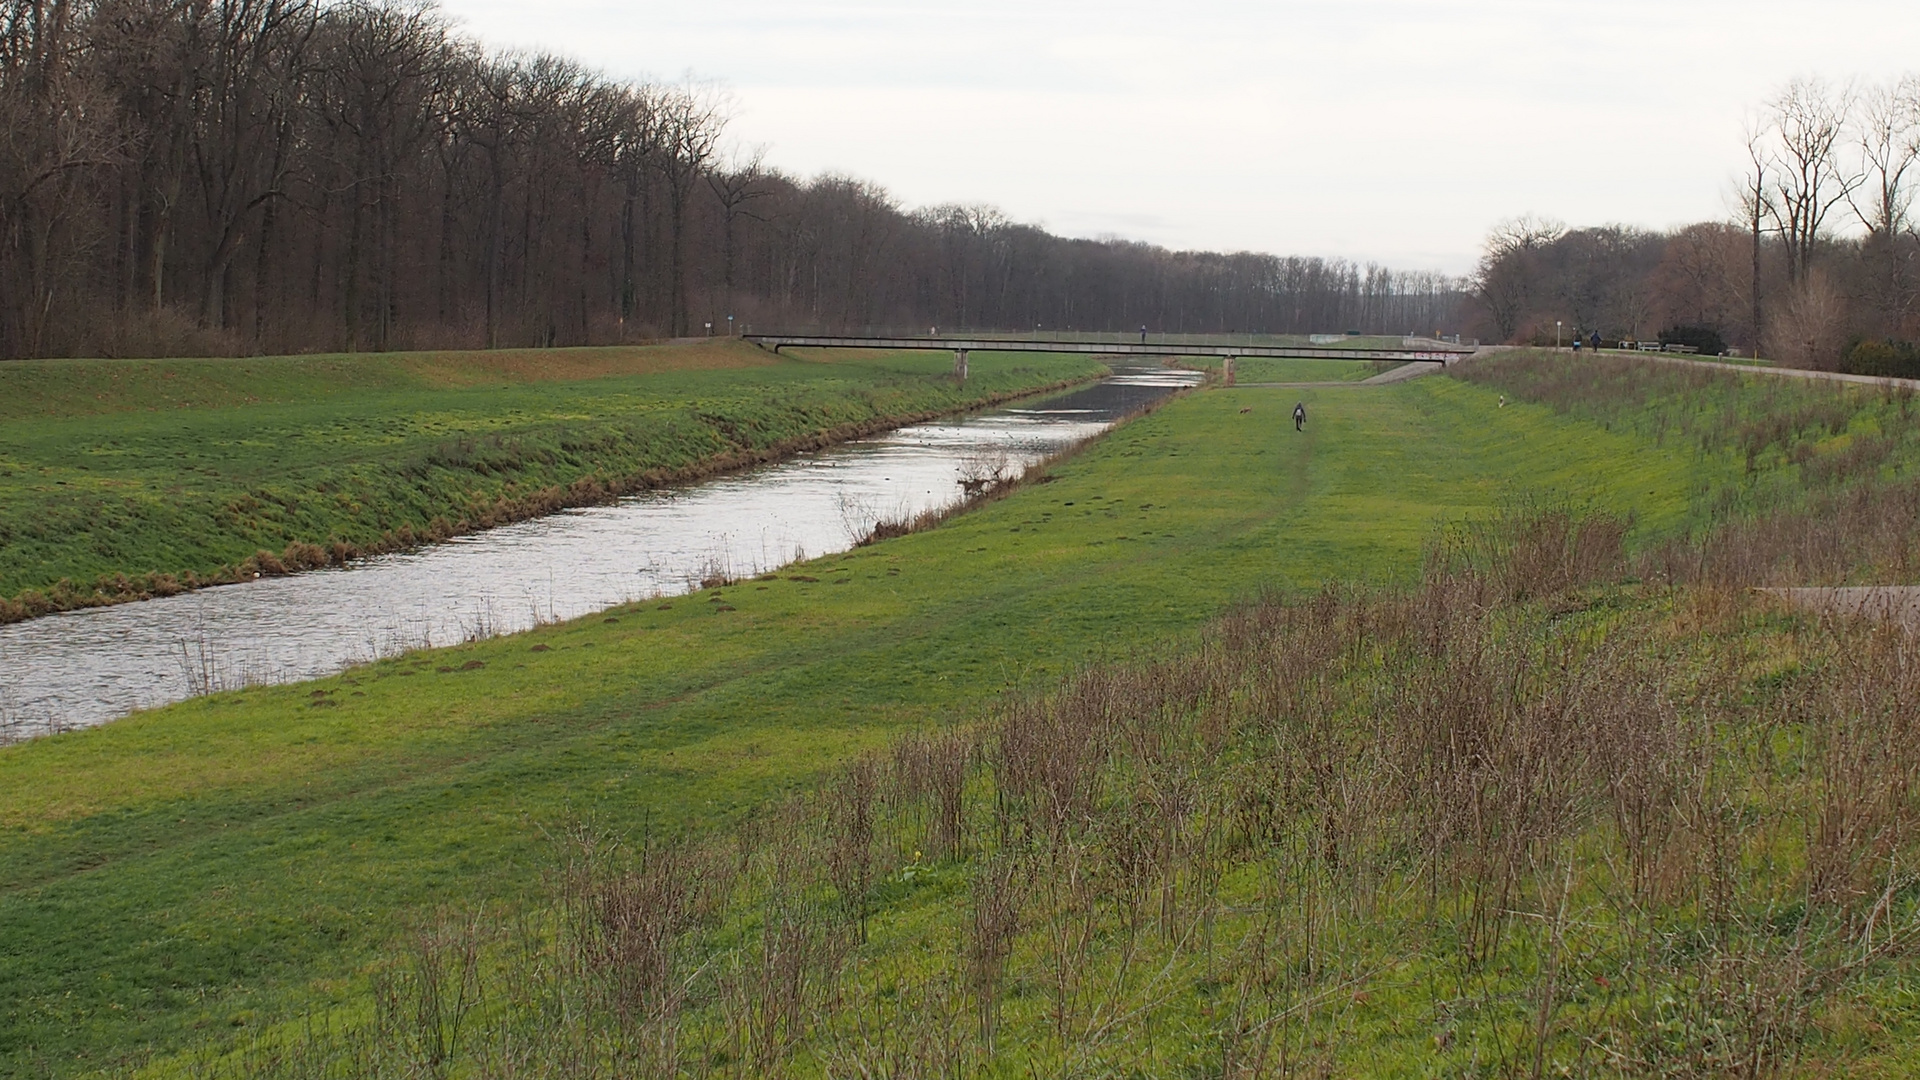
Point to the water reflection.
(86, 667)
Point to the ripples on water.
(85, 667)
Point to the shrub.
(1888, 359)
(1705, 339)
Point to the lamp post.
(1556, 334)
(729, 326)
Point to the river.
(86, 667)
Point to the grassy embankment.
(120, 479)
(1828, 474)
(180, 877)
(1540, 814)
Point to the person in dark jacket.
(1300, 416)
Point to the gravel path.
(1782, 372)
(1885, 603)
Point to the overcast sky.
(1390, 130)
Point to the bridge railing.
(1254, 340)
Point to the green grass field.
(123, 478)
(182, 876)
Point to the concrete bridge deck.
(1430, 352)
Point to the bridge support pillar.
(1227, 368)
(960, 364)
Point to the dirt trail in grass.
(1881, 603)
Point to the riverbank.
(182, 876)
(121, 480)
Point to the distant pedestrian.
(1300, 416)
(1143, 335)
(1595, 341)
(1576, 344)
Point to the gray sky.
(1395, 130)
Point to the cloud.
(1389, 129)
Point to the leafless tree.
(1505, 280)
(690, 118)
(1888, 131)
(245, 175)
(736, 184)
(1757, 209)
(1810, 173)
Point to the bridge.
(1412, 350)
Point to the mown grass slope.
(125, 478)
(177, 876)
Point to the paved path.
(1783, 372)
(1883, 603)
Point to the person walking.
(1300, 416)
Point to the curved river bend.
(86, 667)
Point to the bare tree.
(51, 134)
(736, 184)
(382, 68)
(690, 118)
(1505, 281)
(1701, 279)
(1889, 146)
(354, 173)
(1757, 212)
(1810, 173)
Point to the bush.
(1887, 359)
(1704, 339)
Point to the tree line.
(233, 176)
(1817, 266)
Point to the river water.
(86, 667)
